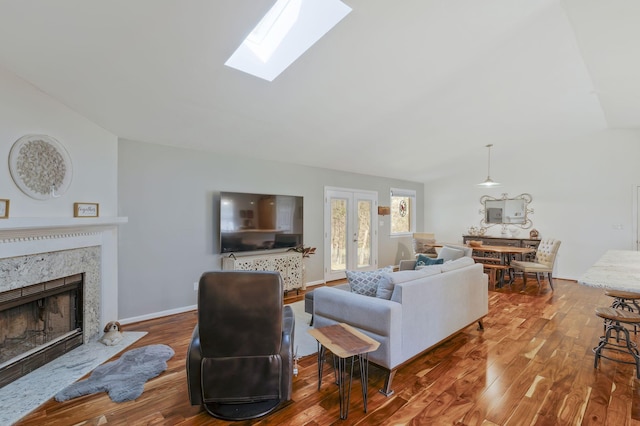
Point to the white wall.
(170, 196)
(583, 191)
(26, 110)
(583, 194)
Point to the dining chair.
(543, 263)
(423, 243)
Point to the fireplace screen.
(38, 323)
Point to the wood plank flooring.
(533, 365)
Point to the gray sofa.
(427, 306)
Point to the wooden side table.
(346, 343)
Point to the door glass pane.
(338, 234)
(364, 233)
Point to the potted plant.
(306, 252)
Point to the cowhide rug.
(123, 378)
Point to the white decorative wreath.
(40, 166)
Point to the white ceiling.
(391, 79)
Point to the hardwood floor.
(533, 364)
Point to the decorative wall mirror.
(506, 211)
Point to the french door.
(350, 231)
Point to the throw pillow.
(385, 287)
(423, 260)
(366, 282)
(448, 253)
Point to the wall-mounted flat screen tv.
(254, 222)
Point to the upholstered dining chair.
(543, 263)
(240, 360)
(423, 243)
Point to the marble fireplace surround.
(34, 250)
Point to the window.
(284, 34)
(403, 212)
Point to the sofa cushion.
(423, 260)
(385, 286)
(388, 281)
(424, 271)
(457, 264)
(468, 251)
(407, 265)
(450, 253)
(366, 282)
(430, 269)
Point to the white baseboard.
(158, 314)
(314, 283)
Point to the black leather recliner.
(240, 360)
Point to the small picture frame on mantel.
(86, 209)
(4, 208)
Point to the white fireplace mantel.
(33, 223)
(28, 236)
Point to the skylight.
(284, 34)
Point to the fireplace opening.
(39, 323)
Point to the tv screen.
(253, 222)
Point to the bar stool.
(625, 300)
(613, 320)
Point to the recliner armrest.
(194, 368)
(287, 350)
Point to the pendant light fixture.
(489, 183)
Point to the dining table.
(505, 254)
(615, 270)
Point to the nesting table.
(346, 343)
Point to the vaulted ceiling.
(391, 79)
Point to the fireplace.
(39, 323)
(36, 253)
